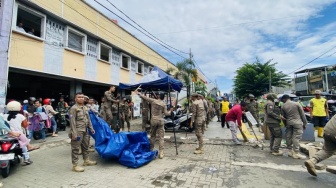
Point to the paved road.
(223, 165)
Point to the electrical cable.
(138, 29)
(318, 57)
(144, 29)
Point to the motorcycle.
(178, 122)
(9, 154)
(62, 119)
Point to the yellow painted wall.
(103, 72)
(102, 27)
(73, 64)
(124, 76)
(26, 52)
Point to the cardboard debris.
(331, 169)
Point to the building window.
(126, 60)
(105, 52)
(29, 21)
(140, 68)
(150, 69)
(75, 40)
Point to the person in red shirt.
(234, 119)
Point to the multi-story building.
(64, 46)
(318, 78)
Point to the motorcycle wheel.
(6, 171)
(37, 135)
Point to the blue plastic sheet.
(130, 149)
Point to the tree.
(185, 71)
(200, 87)
(254, 78)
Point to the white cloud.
(234, 35)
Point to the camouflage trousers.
(329, 147)
(77, 145)
(199, 131)
(144, 119)
(157, 127)
(108, 115)
(203, 126)
(127, 120)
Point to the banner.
(136, 105)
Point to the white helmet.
(13, 106)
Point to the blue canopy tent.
(156, 80)
(164, 83)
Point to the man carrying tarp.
(197, 120)
(158, 107)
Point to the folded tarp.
(130, 149)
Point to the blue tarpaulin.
(130, 149)
(161, 83)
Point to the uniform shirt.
(125, 108)
(79, 119)
(109, 98)
(197, 110)
(273, 113)
(330, 128)
(114, 108)
(92, 108)
(253, 107)
(225, 107)
(158, 108)
(235, 114)
(319, 107)
(293, 113)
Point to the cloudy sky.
(225, 34)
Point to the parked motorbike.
(9, 154)
(178, 122)
(62, 119)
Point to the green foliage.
(211, 99)
(254, 78)
(200, 87)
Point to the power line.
(314, 60)
(198, 67)
(145, 29)
(138, 29)
(106, 29)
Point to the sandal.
(34, 148)
(54, 135)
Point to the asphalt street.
(222, 165)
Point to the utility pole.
(270, 82)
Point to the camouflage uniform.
(107, 108)
(158, 107)
(197, 119)
(273, 119)
(253, 108)
(114, 115)
(205, 112)
(125, 112)
(208, 113)
(217, 109)
(79, 125)
(145, 108)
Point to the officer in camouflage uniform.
(158, 108)
(273, 119)
(114, 115)
(107, 108)
(145, 108)
(217, 109)
(252, 107)
(205, 111)
(197, 120)
(125, 115)
(80, 124)
(209, 113)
